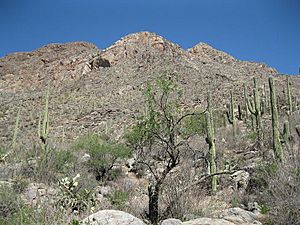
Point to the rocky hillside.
(93, 89)
(191, 175)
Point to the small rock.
(240, 179)
(104, 190)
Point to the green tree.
(158, 138)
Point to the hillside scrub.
(103, 154)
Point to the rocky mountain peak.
(140, 46)
(207, 53)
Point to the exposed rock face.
(141, 47)
(54, 64)
(112, 217)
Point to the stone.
(240, 179)
(112, 217)
(208, 221)
(171, 221)
(38, 193)
(104, 190)
(240, 216)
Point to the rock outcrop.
(53, 64)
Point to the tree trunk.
(153, 194)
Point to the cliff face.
(91, 90)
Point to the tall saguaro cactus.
(212, 149)
(230, 115)
(287, 135)
(14, 140)
(289, 95)
(211, 141)
(43, 128)
(210, 110)
(275, 122)
(255, 108)
(245, 103)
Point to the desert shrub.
(3, 153)
(118, 198)
(37, 215)
(19, 184)
(281, 195)
(10, 202)
(48, 169)
(178, 204)
(63, 160)
(103, 154)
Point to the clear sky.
(256, 30)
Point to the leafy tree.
(159, 138)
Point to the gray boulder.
(241, 216)
(208, 221)
(112, 217)
(171, 221)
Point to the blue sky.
(256, 30)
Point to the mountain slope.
(94, 90)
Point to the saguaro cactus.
(14, 140)
(287, 135)
(245, 103)
(275, 122)
(289, 95)
(230, 114)
(43, 127)
(212, 149)
(210, 110)
(255, 108)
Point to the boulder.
(112, 217)
(241, 216)
(208, 221)
(171, 221)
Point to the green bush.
(48, 169)
(63, 160)
(118, 198)
(103, 154)
(10, 202)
